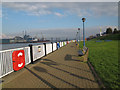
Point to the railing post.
(59, 44)
(56, 46)
(31, 53)
(52, 46)
(45, 48)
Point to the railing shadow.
(68, 72)
(39, 69)
(65, 65)
(43, 80)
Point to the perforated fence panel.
(48, 48)
(54, 46)
(62, 44)
(38, 52)
(6, 63)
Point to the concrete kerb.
(85, 57)
(86, 60)
(101, 85)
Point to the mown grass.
(109, 37)
(104, 58)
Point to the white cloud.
(58, 14)
(30, 8)
(80, 9)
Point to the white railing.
(6, 63)
(38, 51)
(54, 46)
(48, 48)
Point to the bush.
(115, 31)
(109, 31)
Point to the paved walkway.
(60, 69)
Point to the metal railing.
(6, 63)
(38, 51)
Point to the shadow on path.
(41, 70)
(50, 61)
(68, 72)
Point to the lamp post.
(83, 19)
(79, 36)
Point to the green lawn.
(110, 37)
(104, 57)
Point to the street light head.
(83, 19)
(78, 28)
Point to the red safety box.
(18, 58)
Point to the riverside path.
(60, 69)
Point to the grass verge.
(104, 58)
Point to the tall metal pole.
(83, 19)
(79, 36)
(76, 37)
(83, 35)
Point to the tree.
(115, 31)
(109, 30)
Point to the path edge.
(95, 75)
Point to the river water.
(17, 45)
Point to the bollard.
(45, 48)
(31, 53)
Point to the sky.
(57, 19)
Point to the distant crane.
(42, 36)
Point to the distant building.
(97, 35)
(18, 38)
(27, 38)
(104, 33)
(4, 41)
(12, 40)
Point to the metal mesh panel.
(48, 48)
(62, 43)
(65, 42)
(6, 64)
(38, 52)
(27, 55)
(54, 46)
